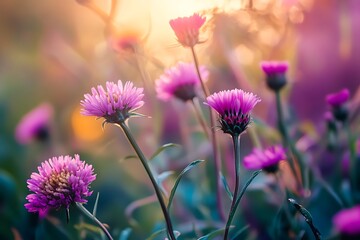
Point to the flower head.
(339, 98)
(60, 182)
(180, 81)
(337, 101)
(35, 124)
(115, 104)
(187, 29)
(234, 108)
(267, 159)
(348, 221)
(125, 41)
(275, 73)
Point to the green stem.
(353, 160)
(92, 217)
(213, 138)
(236, 143)
(199, 116)
(153, 180)
(287, 143)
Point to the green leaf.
(232, 213)
(156, 234)
(226, 186)
(124, 235)
(213, 234)
(162, 148)
(161, 178)
(137, 204)
(128, 158)
(95, 205)
(177, 181)
(238, 233)
(307, 216)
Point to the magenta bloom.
(234, 107)
(187, 29)
(348, 221)
(115, 104)
(275, 73)
(267, 159)
(60, 182)
(180, 81)
(339, 98)
(35, 124)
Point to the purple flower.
(339, 98)
(115, 104)
(187, 29)
(337, 102)
(180, 81)
(274, 67)
(234, 108)
(275, 73)
(267, 159)
(35, 124)
(60, 182)
(348, 221)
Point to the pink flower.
(187, 29)
(339, 98)
(348, 221)
(35, 124)
(234, 108)
(267, 159)
(115, 104)
(180, 81)
(60, 182)
(275, 73)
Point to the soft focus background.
(55, 51)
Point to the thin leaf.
(157, 233)
(124, 235)
(213, 234)
(162, 148)
(238, 233)
(128, 158)
(161, 178)
(226, 186)
(307, 216)
(232, 213)
(177, 181)
(95, 205)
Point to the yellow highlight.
(86, 128)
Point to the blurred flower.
(347, 221)
(267, 159)
(35, 124)
(339, 98)
(125, 41)
(115, 104)
(337, 102)
(275, 74)
(180, 81)
(234, 108)
(60, 182)
(187, 29)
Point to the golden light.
(85, 128)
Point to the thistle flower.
(347, 222)
(180, 81)
(234, 108)
(339, 98)
(275, 74)
(60, 182)
(117, 103)
(187, 29)
(267, 159)
(35, 124)
(337, 102)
